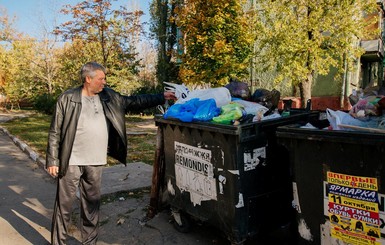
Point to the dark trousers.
(88, 179)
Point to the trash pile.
(232, 104)
(366, 114)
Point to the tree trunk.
(305, 90)
(162, 66)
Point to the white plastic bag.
(337, 118)
(180, 90)
(220, 95)
(252, 107)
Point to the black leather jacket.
(66, 115)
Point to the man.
(88, 123)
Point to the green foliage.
(217, 41)
(18, 82)
(164, 30)
(45, 103)
(298, 39)
(72, 56)
(122, 80)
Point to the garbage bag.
(252, 107)
(238, 89)
(193, 110)
(206, 110)
(180, 90)
(184, 112)
(221, 96)
(269, 99)
(338, 119)
(229, 113)
(365, 107)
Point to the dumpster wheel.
(182, 222)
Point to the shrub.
(45, 103)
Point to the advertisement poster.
(194, 172)
(353, 208)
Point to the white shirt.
(91, 138)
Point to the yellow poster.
(353, 238)
(353, 208)
(366, 183)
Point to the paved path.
(26, 197)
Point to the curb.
(26, 149)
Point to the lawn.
(33, 130)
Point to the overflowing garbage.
(235, 104)
(366, 114)
(231, 105)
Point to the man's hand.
(169, 95)
(53, 170)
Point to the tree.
(31, 66)
(44, 66)
(217, 41)
(7, 30)
(13, 53)
(113, 32)
(72, 56)
(164, 31)
(19, 81)
(7, 34)
(299, 39)
(147, 73)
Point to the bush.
(45, 103)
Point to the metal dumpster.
(338, 184)
(236, 178)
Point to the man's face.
(97, 83)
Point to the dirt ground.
(143, 125)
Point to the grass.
(141, 148)
(33, 130)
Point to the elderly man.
(88, 123)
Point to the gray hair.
(88, 70)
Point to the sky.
(32, 16)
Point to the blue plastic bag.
(193, 110)
(184, 112)
(207, 109)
